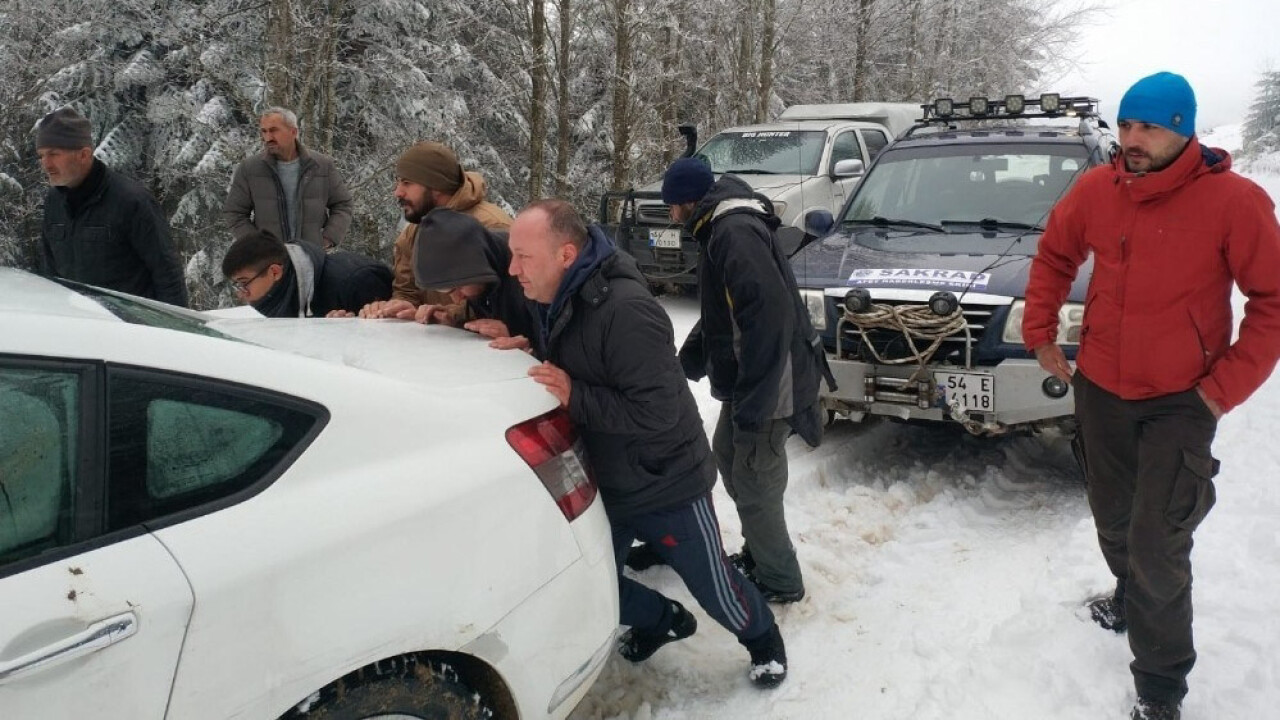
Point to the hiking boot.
(774, 595)
(642, 557)
(1155, 710)
(639, 645)
(768, 659)
(743, 561)
(1109, 613)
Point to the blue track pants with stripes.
(687, 537)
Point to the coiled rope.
(915, 322)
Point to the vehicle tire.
(401, 689)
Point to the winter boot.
(642, 557)
(768, 659)
(639, 645)
(743, 561)
(1109, 613)
(1155, 710)
(774, 595)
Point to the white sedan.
(252, 518)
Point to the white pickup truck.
(810, 158)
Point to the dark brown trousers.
(1150, 476)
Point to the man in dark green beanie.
(100, 227)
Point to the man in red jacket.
(1171, 228)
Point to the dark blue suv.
(917, 287)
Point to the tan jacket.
(468, 199)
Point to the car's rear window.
(145, 312)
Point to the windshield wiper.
(994, 224)
(880, 221)
(749, 171)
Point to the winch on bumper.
(986, 400)
(919, 361)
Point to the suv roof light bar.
(945, 111)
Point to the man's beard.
(415, 214)
(1156, 163)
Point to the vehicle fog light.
(857, 301)
(1055, 387)
(943, 303)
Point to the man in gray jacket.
(293, 193)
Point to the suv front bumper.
(987, 400)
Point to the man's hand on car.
(519, 342)
(1054, 361)
(488, 327)
(557, 381)
(434, 315)
(397, 308)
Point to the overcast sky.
(1220, 46)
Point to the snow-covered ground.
(946, 577)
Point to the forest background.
(565, 98)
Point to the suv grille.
(654, 214)
(893, 345)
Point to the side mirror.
(848, 168)
(819, 222)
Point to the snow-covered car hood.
(996, 263)
(428, 355)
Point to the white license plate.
(971, 391)
(664, 238)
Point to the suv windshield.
(773, 152)
(994, 185)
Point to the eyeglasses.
(241, 287)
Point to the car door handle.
(92, 639)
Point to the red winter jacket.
(1167, 246)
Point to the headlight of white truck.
(1070, 321)
(816, 302)
(779, 207)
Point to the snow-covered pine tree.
(1261, 133)
(174, 90)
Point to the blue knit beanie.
(687, 180)
(1163, 99)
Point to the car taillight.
(551, 446)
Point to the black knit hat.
(686, 181)
(452, 250)
(64, 128)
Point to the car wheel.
(402, 689)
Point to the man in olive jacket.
(289, 191)
(756, 346)
(100, 227)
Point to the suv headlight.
(1070, 321)
(779, 207)
(816, 302)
